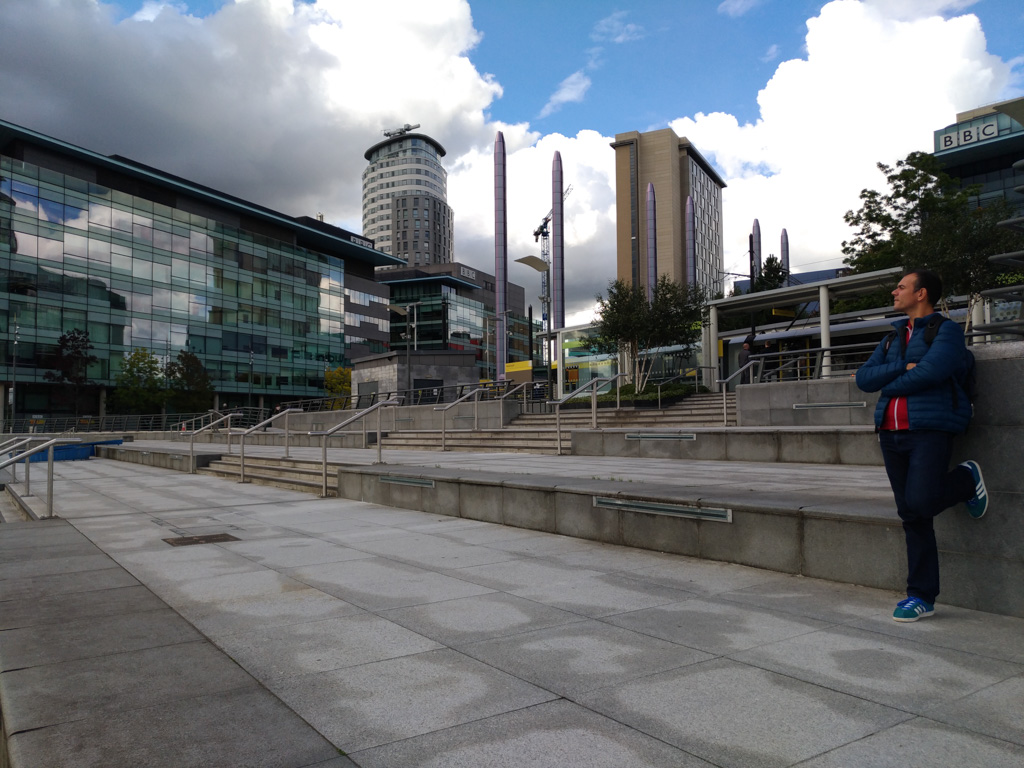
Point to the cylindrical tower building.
(405, 198)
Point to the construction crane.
(543, 235)
(400, 131)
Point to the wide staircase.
(536, 432)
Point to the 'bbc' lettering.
(970, 134)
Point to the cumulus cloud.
(827, 119)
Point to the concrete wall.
(835, 403)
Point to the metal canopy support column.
(711, 348)
(825, 313)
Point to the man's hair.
(931, 282)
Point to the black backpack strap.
(932, 328)
(887, 342)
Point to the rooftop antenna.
(401, 130)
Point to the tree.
(71, 364)
(927, 220)
(629, 325)
(139, 386)
(338, 383)
(189, 388)
(772, 275)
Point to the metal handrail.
(48, 446)
(724, 383)
(264, 423)
(12, 445)
(501, 402)
(475, 394)
(192, 440)
(685, 374)
(328, 432)
(593, 385)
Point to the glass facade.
(445, 320)
(981, 151)
(708, 240)
(263, 315)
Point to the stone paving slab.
(447, 642)
(558, 733)
(732, 714)
(369, 705)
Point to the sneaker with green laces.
(912, 609)
(978, 503)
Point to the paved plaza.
(338, 633)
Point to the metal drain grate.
(210, 538)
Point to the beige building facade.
(691, 255)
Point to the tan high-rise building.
(691, 255)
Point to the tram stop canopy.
(822, 291)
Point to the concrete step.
(290, 474)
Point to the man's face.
(907, 296)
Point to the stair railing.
(593, 385)
(324, 434)
(475, 394)
(48, 447)
(725, 388)
(10, 447)
(241, 440)
(192, 439)
(684, 375)
(501, 401)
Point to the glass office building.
(142, 259)
(451, 307)
(981, 147)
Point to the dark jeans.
(917, 463)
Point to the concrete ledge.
(849, 547)
(803, 445)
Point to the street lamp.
(409, 337)
(539, 264)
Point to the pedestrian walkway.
(335, 633)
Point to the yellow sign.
(524, 365)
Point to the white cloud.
(573, 89)
(737, 7)
(615, 29)
(826, 120)
(771, 54)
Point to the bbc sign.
(970, 134)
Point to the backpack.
(968, 381)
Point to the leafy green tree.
(926, 219)
(338, 383)
(71, 366)
(628, 325)
(139, 385)
(772, 275)
(189, 388)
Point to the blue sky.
(793, 101)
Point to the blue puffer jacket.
(935, 399)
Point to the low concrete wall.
(849, 445)
(850, 549)
(984, 559)
(821, 403)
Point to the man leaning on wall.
(920, 370)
